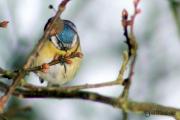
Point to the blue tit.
(63, 42)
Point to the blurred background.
(98, 22)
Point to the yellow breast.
(48, 51)
(56, 74)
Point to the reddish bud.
(45, 67)
(138, 11)
(125, 14)
(4, 24)
(79, 54)
(68, 61)
(136, 1)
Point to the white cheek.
(74, 40)
(55, 41)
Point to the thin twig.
(123, 67)
(125, 115)
(132, 44)
(132, 49)
(175, 5)
(57, 61)
(7, 74)
(76, 87)
(127, 82)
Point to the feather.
(67, 38)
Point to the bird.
(63, 41)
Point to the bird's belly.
(60, 74)
(56, 74)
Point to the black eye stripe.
(60, 43)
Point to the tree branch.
(125, 115)
(129, 105)
(72, 93)
(175, 7)
(132, 50)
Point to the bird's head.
(65, 36)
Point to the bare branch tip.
(124, 14)
(63, 3)
(4, 24)
(136, 2)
